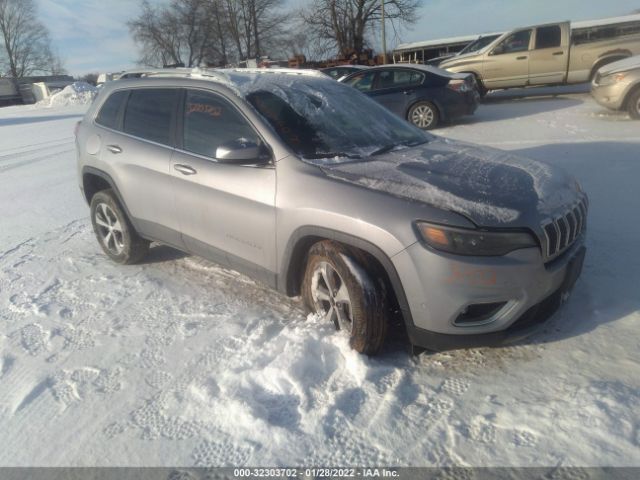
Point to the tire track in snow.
(6, 168)
(29, 151)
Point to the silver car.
(617, 86)
(309, 186)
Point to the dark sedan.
(423, 95)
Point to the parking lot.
(179, 362)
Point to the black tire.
(424, 115)
(366, 308)
(124, 245)
(482, 91)
(633, 104)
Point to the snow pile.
(176, 361)
(78, 93)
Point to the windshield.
(478, 44)
(328, 122)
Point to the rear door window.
(150, 114)
(398, 78)
(210, 121)
(548, 37)
(108, 116)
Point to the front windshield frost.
(320, 119)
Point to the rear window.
(108, 114)
(548, 37)
(149, 114)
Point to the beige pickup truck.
(548, 54)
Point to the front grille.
(562, 231)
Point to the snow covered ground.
(178, 362)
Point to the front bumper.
(610, 96)
(444, 286)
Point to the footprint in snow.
(523, 438)
(34, 339)
(454, 386)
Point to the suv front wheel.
(113, 230)
(338, 287)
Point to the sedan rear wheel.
(424, 115)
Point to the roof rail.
(289, 71)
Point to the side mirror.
(242, 151)
(499, 50)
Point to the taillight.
(76, 128)
(458, 85)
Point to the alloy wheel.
(422, 116)
(331, 297)
(109, 229)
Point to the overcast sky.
(92, 36)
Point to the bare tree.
(25, 40)
(349, 23)
(170, 35)
(195, 32)
(90, 78)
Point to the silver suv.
(309, 186)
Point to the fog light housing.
(478, 313)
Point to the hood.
(458, 60)
(490, 187)
(630, 63)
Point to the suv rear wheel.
(337, 287)
(114, 231)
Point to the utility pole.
(384, 36)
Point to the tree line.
(219, 32)
(25, 43)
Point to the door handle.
(114, 148)
(407, 92)
(558, 53)
(185, 169)
(521, 58)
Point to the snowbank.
(78, 93)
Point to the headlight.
(463, 241)
(611, 79)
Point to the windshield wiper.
(384, 149)
(391, 146)
(315, 156)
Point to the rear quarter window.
(150, 114)
(110, 110)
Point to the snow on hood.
(621, 65)
(491, 187)
(78, 93)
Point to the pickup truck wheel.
(114, 231)
(482, 91)
(424, 115)
(633, 104)
(337, 287)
